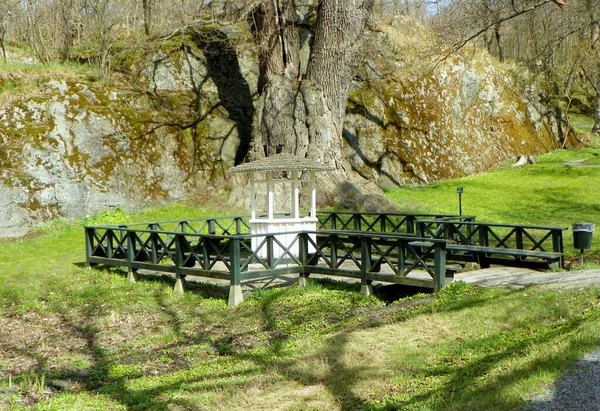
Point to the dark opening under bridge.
(412, 249)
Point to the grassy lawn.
(75, 338)
(561, 189)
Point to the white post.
(270, 194)
(295, 195)
(252, 199)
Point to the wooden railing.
(523, 245)
(399, 248)
(379, 222)
(369, 256)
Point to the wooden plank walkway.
(511, 277)
(516, 277)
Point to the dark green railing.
(388, 247)
(522, 237)
(529, 242)
(221, 248)
(379, 222)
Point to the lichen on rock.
(454, 117)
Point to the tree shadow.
(234, 92)
(340, 377)
(578, 390)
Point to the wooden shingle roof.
(281, 162)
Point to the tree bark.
(274, 124)
(333, 60)
(147, 10)
(300, 114)
(303, 113)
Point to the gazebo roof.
(281, 162)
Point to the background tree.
(147, 7)
(555, 39)
(5, 16)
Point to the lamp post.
(459, 190)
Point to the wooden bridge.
(413, 249)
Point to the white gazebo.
(281, 211)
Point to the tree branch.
(462, 43)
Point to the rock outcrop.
(411, 123)
(73, 150)
(182, 116)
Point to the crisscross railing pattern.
(369, 246)
(187, 251)
(378, 222)
(511, 236)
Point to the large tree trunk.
(274, 124)
(333, 60)
(304, 113)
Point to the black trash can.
(582, 235)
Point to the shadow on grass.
(457, 379)
(459, 386)
(105, 376)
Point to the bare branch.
(457, 46)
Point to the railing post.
(89, 244)
(401, 255)
(557, 246)
(420, 227)
(153, 243)
(470, 233)
(180, 285)
(235, 287)
(131, 273)
(365, 263)
(410, 225)
(356, 217)
(303, 257)
(110, 234)
(439, 266)
(270, 256)
(557, 241)
(519, 237)
(333, 247)
(212, 226)
(206, 245)
(484, 240)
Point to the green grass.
(75, 338)
(23, 61)
(549, 193)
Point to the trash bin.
(582, 235)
